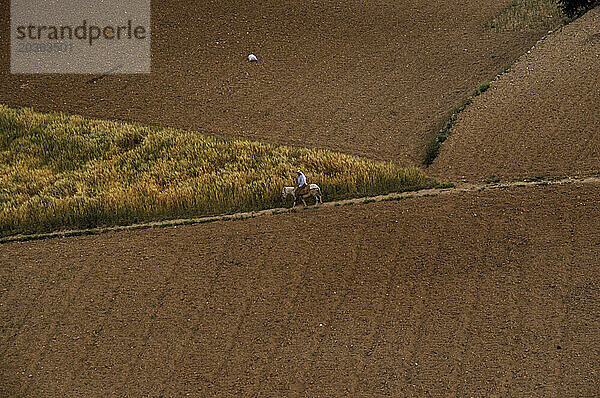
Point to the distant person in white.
(302, 186)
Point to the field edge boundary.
(454, 189)
(434, 145)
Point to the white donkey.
(313, 191)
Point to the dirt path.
(460, 187)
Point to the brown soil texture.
(543, 117)
(372, 78)
(492, 293)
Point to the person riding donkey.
(303, 187)
(302, 191)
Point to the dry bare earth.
(496, 292)
(372, 78)
(543, 117)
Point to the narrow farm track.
(461, 187)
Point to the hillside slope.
(493, 293)
(371, 78)
(543, 117)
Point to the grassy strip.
(133, 227)
(517, 16)
(433, 148)
(68, 172)
(521, 15)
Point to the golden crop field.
(60, 171)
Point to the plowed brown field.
(543, 117)
(492, 293)
(480, 293)
(372, 78)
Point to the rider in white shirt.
(302, 186)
